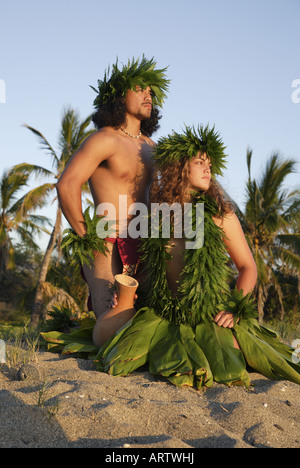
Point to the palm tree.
(16, 216)
(270, 223)
(72, 133)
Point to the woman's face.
(200, 172)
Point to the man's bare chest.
(131, 162)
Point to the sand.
(66, 403)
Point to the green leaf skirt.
(185, 355)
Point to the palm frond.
(277, 169)
(291, 259)
(41, 221)
(45, 145)
(10, 184)
(72, 134)
(31, 201)
(26, 236)
(83, 133)
(291, 240)
(36, 225)
(29, 169)
(248, 158)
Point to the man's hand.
(224, 319)
(114, 301)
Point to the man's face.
(139, 102)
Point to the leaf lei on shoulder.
(199, 274)
(136, 73)
(82, 250)
(204, 284)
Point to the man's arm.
(96, 148)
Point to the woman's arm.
(241, 256)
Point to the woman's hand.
(224, 319)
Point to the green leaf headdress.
(136, 73)
(177, 147)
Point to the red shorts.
(129, 254)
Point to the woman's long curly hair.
(113, 114)
(171, 185)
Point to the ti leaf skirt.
(185, 355)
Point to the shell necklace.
(130, 135)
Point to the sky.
(234, 64)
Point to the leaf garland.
(203, 288)
(136, 73)
(82, 249)
(241, 306)
(177, 147)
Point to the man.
(116, 160)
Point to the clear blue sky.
(232, 64)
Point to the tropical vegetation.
(17, 217)
(271, 225)
(73, 132)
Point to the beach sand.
(72, 405)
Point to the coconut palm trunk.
(38, 307)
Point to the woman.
(193, 329)
(178, 183)
(190, 327)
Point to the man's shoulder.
(105, 133)
(106, 136)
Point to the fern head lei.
(140, 72)
(185, 146)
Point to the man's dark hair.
(113, 114)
